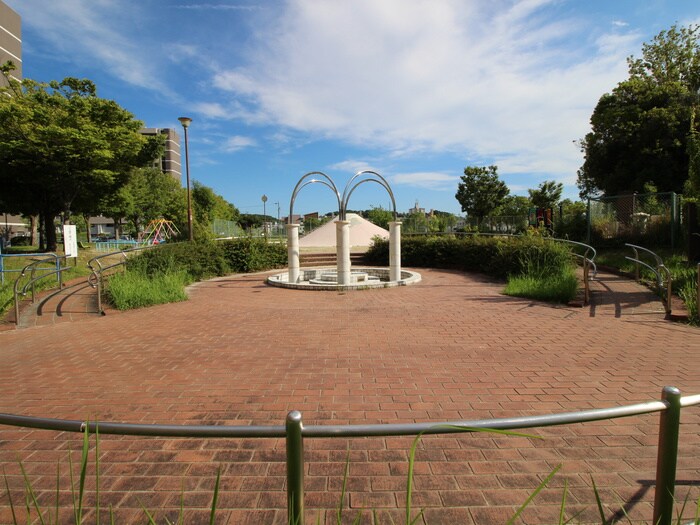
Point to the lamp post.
(185, 121)
(264, 201)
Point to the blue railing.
(4, 256)
(295, 433)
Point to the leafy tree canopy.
(62, 148)
(547, 194)
(481, 191)
(380, 217)
(514, 206)
(640, 131)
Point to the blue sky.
(413, 89)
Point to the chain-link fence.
(506, 224)
(222, 228)
(647, 219)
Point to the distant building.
(10, 40)
(416, 210)
(170, 162)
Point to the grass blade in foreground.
(216, 496)
(9, 496)
(542, 485)
(412, 459)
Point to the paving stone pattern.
(452, 347)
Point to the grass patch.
(132, 289)
(559, 288)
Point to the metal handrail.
(661, 283)
(33, 279)
(96, 277)
(294, 431)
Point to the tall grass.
(545, 276)
(134, 289)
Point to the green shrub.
(253, 255)
(200, 260)
(495, 256)
(134, 289)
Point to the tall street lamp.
(185, 121)
(264, 201)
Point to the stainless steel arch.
(349, 189)
(300, 184)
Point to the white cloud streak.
(497, 79)
(237, 143)
(428, 180)
(93, 31)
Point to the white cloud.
(353, 166)
(237, 143)
(212, 110)
(218, 7)
(482, 78)
(86, 32)
(428, 180)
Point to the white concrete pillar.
(293, 252)
(342, 238)
(395, 251)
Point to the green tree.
(208, 205)
(547, 194)
(643, 131)
(514, 206)
(481, 191)
(441, 221)
(148, 195)
(62, 147)
(380, 217)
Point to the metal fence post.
(697, 299)
(99, 293)
(667, 456)
(295, 469)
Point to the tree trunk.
(50, 231)
(42, 235)
(32, 229)
(88, 233)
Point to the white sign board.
(70, 240)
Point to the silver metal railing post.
(667, 456)
(295, 469)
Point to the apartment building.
(10, 40)
(170, 162)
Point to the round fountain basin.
(327, 279)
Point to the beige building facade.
(10, 40)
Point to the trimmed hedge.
(202, 260)
(499, 257)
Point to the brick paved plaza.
(452, 347)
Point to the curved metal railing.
(294, 432)
(31, 270)
(663, 284)
(98, 269)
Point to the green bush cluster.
(499, 257)
(159, 275)
(202, 260)
(534, 266)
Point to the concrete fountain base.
(327, 279)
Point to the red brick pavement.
(452, 347)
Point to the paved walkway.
(452, 347)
